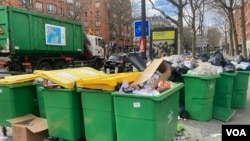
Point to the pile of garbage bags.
(206, 64)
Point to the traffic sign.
(141, 44)
(138, 28)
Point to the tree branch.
(163, 13)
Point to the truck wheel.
(98, 63)
(60, 65)
(44, 66)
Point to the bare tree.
(195, 19)
(187, 39)
(243, 29)
(221, 21)
(28, 4)
(74, 9)
(179, 5)
(119, 19)
(228, 6)
(214, 35)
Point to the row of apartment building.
(93, 15)
(237, 19)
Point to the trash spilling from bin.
(132, 103)
(152, 81)
(90, 93)
(226, 76)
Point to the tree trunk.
(235, 36)
(180, 30)
(243, 31)
(232, 52)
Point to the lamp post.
(143, 25)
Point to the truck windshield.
(100, 42)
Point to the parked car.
(119, 61)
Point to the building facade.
(237, 19)
(94, 15)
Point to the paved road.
(197, 130)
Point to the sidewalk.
(211, 130)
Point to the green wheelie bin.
(223, 96)
(240, 88)
(40, 99)
(147, 118)
(98, 115)
(17, 100)
(63, 113)
(199, 95)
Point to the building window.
(70, 1)
(60, 11)
(97, 23)
(85, 24)
(51, 8)
(97, 32)
(85, 5)
(78, 4)
(39, 6)
(25, 3)
(61, 0)
(97, 4)
(90, 4)
(97, 13)
(71, 13)
(129, 28)
(85, 14)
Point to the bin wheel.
(4, 130)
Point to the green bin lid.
(228, 73)
(159, 97)
(17, 84)
(244, 72)
(206, 77)
(58, 89)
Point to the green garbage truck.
(34, 41)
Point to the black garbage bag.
(229, 68)
(204, 57)
(137, 61)
(177, 72)
(216, 59)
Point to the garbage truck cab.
(96, 45)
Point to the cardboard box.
(156, 66)
(29, 128)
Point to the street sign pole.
(143, 20)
